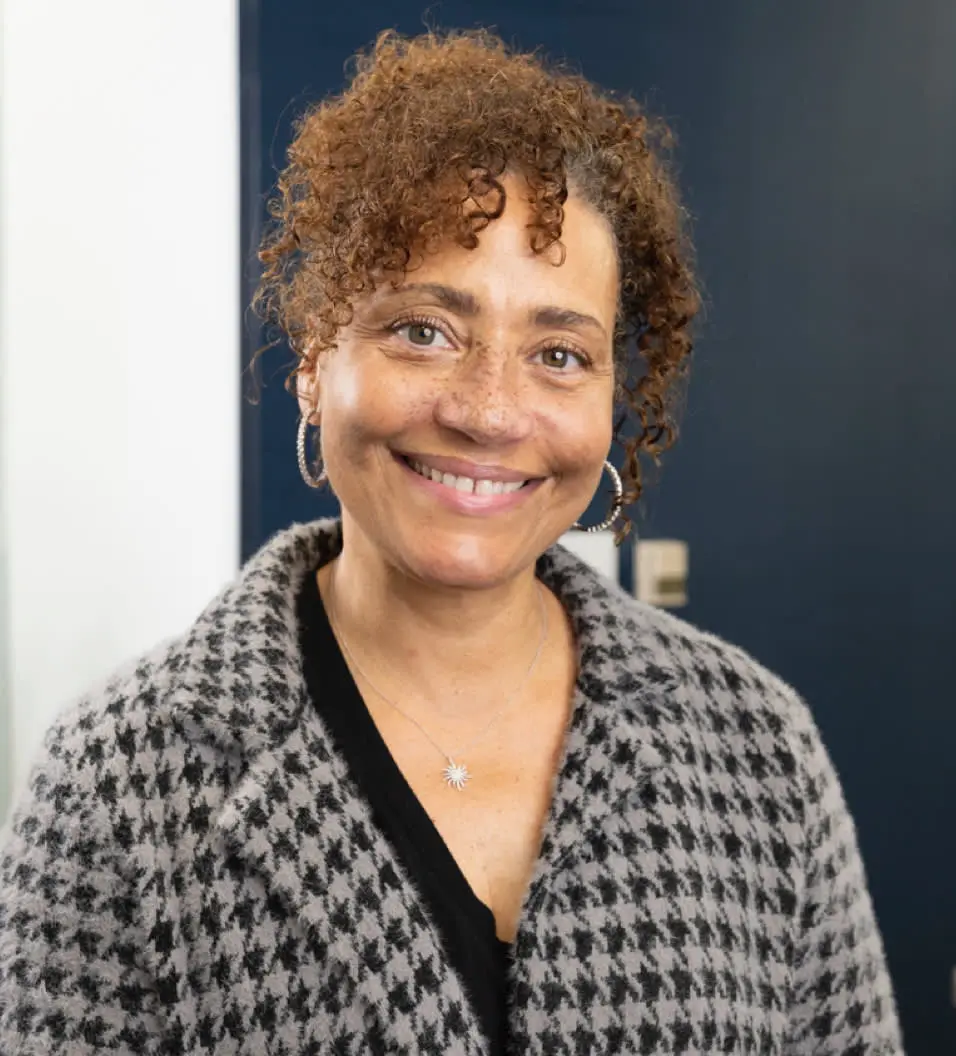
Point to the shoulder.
(78, 821)
(712, 665)
(633, 632)
(753, 730)
(181, 723)
(711, 696)
(734, 733)
(115, 726)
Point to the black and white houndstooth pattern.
(193, 871)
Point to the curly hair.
(411, 156)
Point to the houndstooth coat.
(193, 870)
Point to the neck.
(437, 649)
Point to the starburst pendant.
(456, 775)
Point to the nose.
(486, 400)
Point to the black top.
(466, 924)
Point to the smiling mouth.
(467, 485)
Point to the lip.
(460, 467)
(464, 502)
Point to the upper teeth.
(479, 487)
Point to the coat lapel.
(624, 703)
(296, 818)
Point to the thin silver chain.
(450, 758)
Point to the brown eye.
(559, 358)
(419, 334)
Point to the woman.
(419, 781)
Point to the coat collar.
(296, 817)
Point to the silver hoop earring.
(616, 506)
(314, 480)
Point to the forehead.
(504, 273)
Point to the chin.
(463, 561)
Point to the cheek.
(579, 434)
(363, 406)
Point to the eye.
(420, 332)
(560, 358)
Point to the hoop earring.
(312, 479)
(616, 505)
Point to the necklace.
(455, 773)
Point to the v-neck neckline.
(344, 707)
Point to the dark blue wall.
(814, 480)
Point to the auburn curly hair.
(411, 156)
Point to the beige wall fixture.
(660, 572)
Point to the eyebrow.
(464, 303)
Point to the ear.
(307, 391)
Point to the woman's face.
(467, 414)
